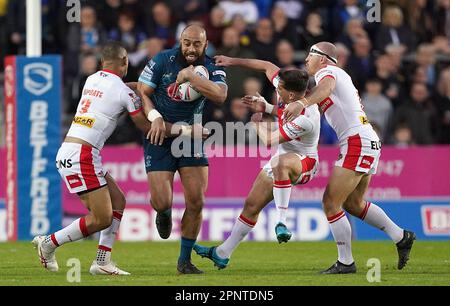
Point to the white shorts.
(309, 168)
(80, 167)
(360, 152)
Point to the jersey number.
(85, 104)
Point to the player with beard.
(158, 89)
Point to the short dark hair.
(112, 51)
(294, 79)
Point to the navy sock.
(186, 249)
(167, 212)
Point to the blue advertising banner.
(33, 194)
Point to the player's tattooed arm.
(264, 66)
(264, 130)
(214, 92)
(319, 93)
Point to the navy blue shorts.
(166, 158)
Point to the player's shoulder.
(210, 64)
(165, 56)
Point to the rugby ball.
(186, 92)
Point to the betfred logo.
(38, 78)
(436, 220)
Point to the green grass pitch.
(253, 263)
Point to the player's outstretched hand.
(224, 61)
(157, 132)
(198, 131)
(292, 111)
(255, 103)
(185, 74)
(256, 117)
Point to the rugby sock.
(281, 195)
(107, 237)
(186, 249)
(241, 228)
(73, 232)
(342, 233)
(375, 216)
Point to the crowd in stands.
(400, 64)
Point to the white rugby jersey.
(302, 134)
(343, 109)
(104, 98)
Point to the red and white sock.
(241, 228)
(73, 232)
(375, 216)
(107, 237)
(281, 195)
(342, 233)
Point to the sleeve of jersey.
(218, 76)
(324, 73)
(297, 128)
(275, 79)
(131, 101)
(152, 72)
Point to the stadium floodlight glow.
(34, 28)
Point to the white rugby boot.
(47, 258)
(109, 269)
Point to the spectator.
(246, 8)
(353, 30)
(283, 27)
(214, 25)
(419, 20)
(240, 25)
(285, 54)
(89, 65)
(189, 9)
(360, 63)
(162, 24)
(87, 36)
(294, 9)
(426, 58)
(252, 86)
(442, 18)
(153, 46)
(235, 75)
(343, 55)
(418, 113)
(393, 31)
(343, 13)
(402, 136)
(443, 106)
(110, 13)
(391, 84)
(313, 32)
(263, 42)
(377, 107)
(127, 32)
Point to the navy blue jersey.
(161, 71)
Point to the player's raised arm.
(264, 66)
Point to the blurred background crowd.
(400, 65)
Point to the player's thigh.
(355, 201)
(98, 202)
(289, 162)
(260, 195)
(341, 184)
(117, 196)
(161, 189)
(195, 183)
